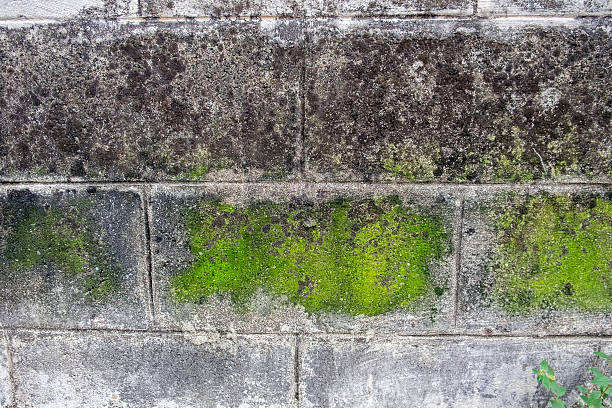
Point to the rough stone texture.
(265, 313)
(400, 372)
(387, 7)
(544, 7)
(63, 9)
(452, 100)
(86, 370)
(72, 258)
(117, 101)
(478, 310)
(305, 8)
(4, 378)
(214, 8)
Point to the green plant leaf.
(593, 400)
(558, 404)
(557, 389)
(583, 389)
(547, 368)
(603, 355)
(602, 380)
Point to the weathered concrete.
(72, 258)
(305, 8)
(146, 370)
(453, 100)
(268, 313)
(64, 9)
(117, 101)
(5, 397)
(544, 7)
(401, 372)
(488, 301)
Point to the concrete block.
(65, 9)
(72, 258)
(153, 101)
(96, 369)
(231, 8)
(304, 8)
(537, 262)
(429, 372)
(363, 8)
(543, 8)
(503, 100)
(290, 257)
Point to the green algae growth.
(63, 239)
(556, 253)
(350, 256)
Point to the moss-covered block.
(268, 259)
(71, 258)
(539, 258)
(349, 256)
(400, 101)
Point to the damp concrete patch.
(457, 100)
(72, 258)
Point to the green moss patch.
(556, 252)
(350, 256)
(63, 239)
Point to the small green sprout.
(596, 395)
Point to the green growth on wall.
(556, 252)
(350, 256)
(62, 239)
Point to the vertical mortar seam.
(300, 145)
(296, 370)
(458, 241)
(10, 371)
(147, 230)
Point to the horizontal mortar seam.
(467, 15)
(302, 334)
(453, 185)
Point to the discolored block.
(97, 369)
(430, 372)
(269, 258)
(537, 262)
(72, 258)
(111, 100)
(544, 7)
(65, 9)
(458, 100)
(362, 8)
(308, 8)
(231, 8)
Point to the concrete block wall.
(127, 128)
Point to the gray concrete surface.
(86, 370)
(5, 396)
(65, 9)
(428, 372)
(72, 258)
